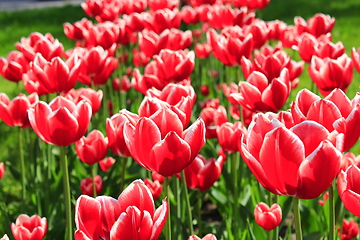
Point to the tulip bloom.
(290, 162)
(318, 25)
(93, 148)
(335, 112)
(106, 163)
(349, 190)
(61, 122)
(155, 188)
(350, 229)
(13, 66)
(29, 228)
(349, 159)
(89, 95)
(14, 112)
(213, 118)
(162, 19)
(2, 169)
(115, 134)
(329, 74)
(159, 142)
(86, 185)
(268, 218)
(201, 174)
(131, 216)
(207, 237)
(229, 134)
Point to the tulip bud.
(87, 185)
(267, 218)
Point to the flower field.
(198, 119)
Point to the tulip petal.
(313, 172)
(159, 219)
(167, 121)
(280, 156)
(195, 137)
(325, 113)
(170, 156)
(109, 212)
(137, 194)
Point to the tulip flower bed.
(172, 120)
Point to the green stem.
(198, 209)
(331, 212)
(123, 172)
(22, 166)
(273, 198)
(168, 221)
(297, 217)
(237, 184)
(93, 180)
(177, 227)
(67, 194)
(187, 201)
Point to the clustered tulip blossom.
(131, 216)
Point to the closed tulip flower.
(89, 95)
(201, 174)
(349, 230)
(317, 25)
(2, 169)
(155, 188)
(290, 161)
(86, 185)
(107, 163)
(206, 237)
(268, 217)
(159, 143)
(61, 122)
(115, 135)
(162, 19)
(348, 189)
(112, 218)
(13, 66)
(29, 228)
(229, 134)
(14, 112)
(93, 148)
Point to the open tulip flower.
(299, 162)
(268, 217)
(13, 66)
(335, 112)
(29, 228)
(349, 190)
(319, 24)
(131, 216)
(14, 112)
(62, 122)
(159, 142)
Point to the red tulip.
(259, 31)
(251, 4)
(159, 143)
(231, 45)
(155, 5)
(55, 76)
(329, 74)
(13, 66)
(201, 174)
(29, 228)
(133, 6)
(229, 134)
(97, 65)
(276, 29)
(14, 112)
(348, 189)
(87, 94)
(204, 90)
(93, 148)
(86, 185)
(335, 112)
(106, 163)
(319, 24)
(203, 50)
(207, 237)
(213, 118)
(112, 218)
(268, 218)
(162, 19)
(62, 122)
(189, 15)
(78, 30)
(260, 94)
(349, 159)
(324, 199)
(122, 84)
(181, 98)
(115, 135)
(355, 55)
(46, 45)
(155, 188)
(322, 47)
(349, 230)
(2, 169)
(290, 162)
(104, 34)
